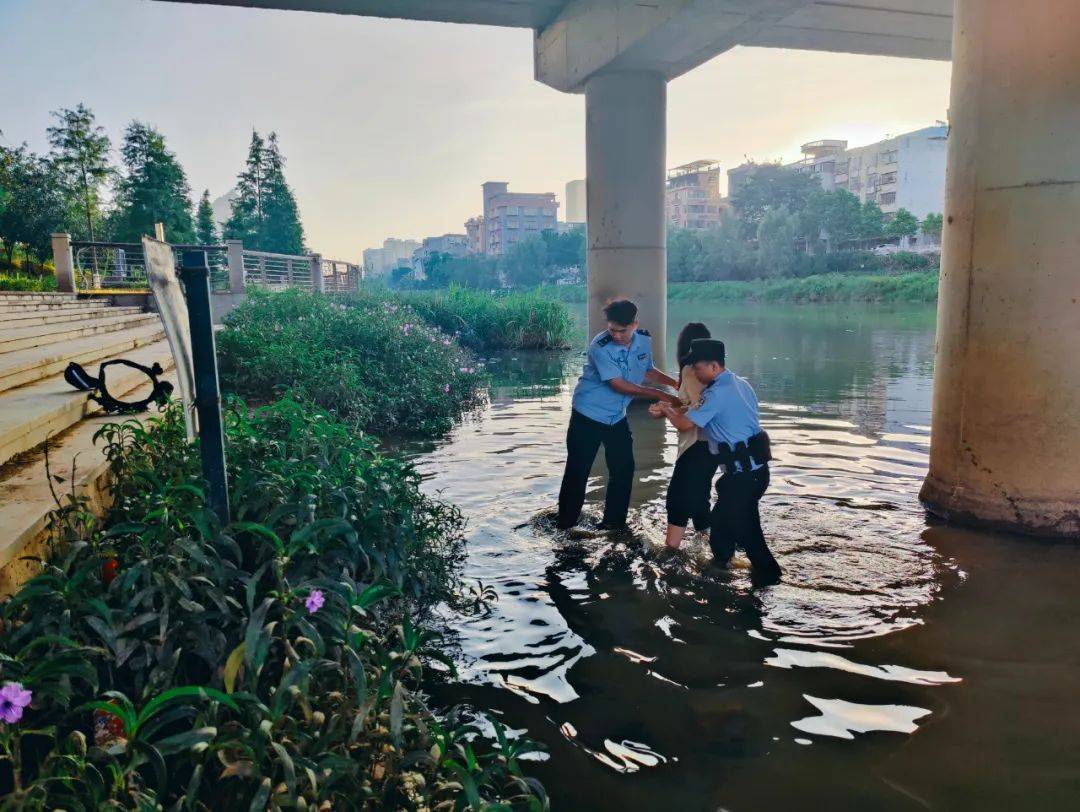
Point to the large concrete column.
(1006, 423)
(625, 142)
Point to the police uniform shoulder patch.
(604, 340)
(641, 332)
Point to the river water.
(900, 664)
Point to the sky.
(388, 126)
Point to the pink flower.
(446, 388)
(13, 699)
(315, 601)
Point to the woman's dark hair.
(691, 331)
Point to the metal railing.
(277, 271)
(122, 266)
(86, 267)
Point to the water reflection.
(659, 684)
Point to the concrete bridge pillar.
(625, 142)
(1006, 416)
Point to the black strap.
(81, 380)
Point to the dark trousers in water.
(690, 486)
(583, 440)
(736, 521)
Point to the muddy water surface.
(899, 665)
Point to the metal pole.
(195, 274)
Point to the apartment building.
(510, 217)
(394, 253)
(692, 195)
(575, 199)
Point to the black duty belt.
(85, 382)
(756, 449)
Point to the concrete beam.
(668, 37)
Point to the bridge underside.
(1006, 422)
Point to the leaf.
(182, 692)
(375, 593)
(262, 795)
(232, 666)
(259, 530)
(397, 713)
(186, 740)
(289, 768)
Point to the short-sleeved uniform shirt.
(728, 411)
(605, 361)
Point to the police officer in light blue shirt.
(728, 417)
(618, 362)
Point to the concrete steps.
(39, 335)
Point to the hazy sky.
(389, 127)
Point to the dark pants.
(736, 521)
(583, 440)
(688, 491)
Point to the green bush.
(274, 663)
(32, 284)
(370, 361)
(496, 321)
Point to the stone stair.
(40, 333)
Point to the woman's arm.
(678, 419)
(624, 387)
(655, 375)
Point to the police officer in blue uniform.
(619, 361)
(728, 416)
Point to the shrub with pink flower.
(314, 602)
(14, 699)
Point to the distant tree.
(566, 250)
(684, 255)
(34, 204)
(770, 187)
(81, 154)
(903, 224)
(398, 275)
(932, 225)
(724, 252)
(871, 220)
(264, 213)
(841, 216)
(281, 228)
(205, 227)
(777, 255)
(525, 263)
(153, 189)
(246, 219)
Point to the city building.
(380, 261)
(692, 195)
(510, 217)
(576, 206)
(903, 172)
(456, 245)
(474, 232)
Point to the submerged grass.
(483, 321)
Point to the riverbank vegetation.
(370, 361)
(163, 661)
(916, 287)
(505, 320)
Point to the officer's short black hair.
(621, 312)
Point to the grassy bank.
(163, 661)
(371, 362)
(495, 321)
(827, 288)
(22, 282)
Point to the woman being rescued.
(691, 482)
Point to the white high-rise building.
(394, 253)
(575, 201)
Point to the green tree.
(153, 189)
(264, 213)
(281, 228)
(205, 227)
(566, 250)
(684, 255)
(34, 203)
(524, 265)
(246, 219)
(932, 225)
(903, 224)
(777, 255)
(81, 154)
(724, 252)
(769, 187)
(871, 220)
